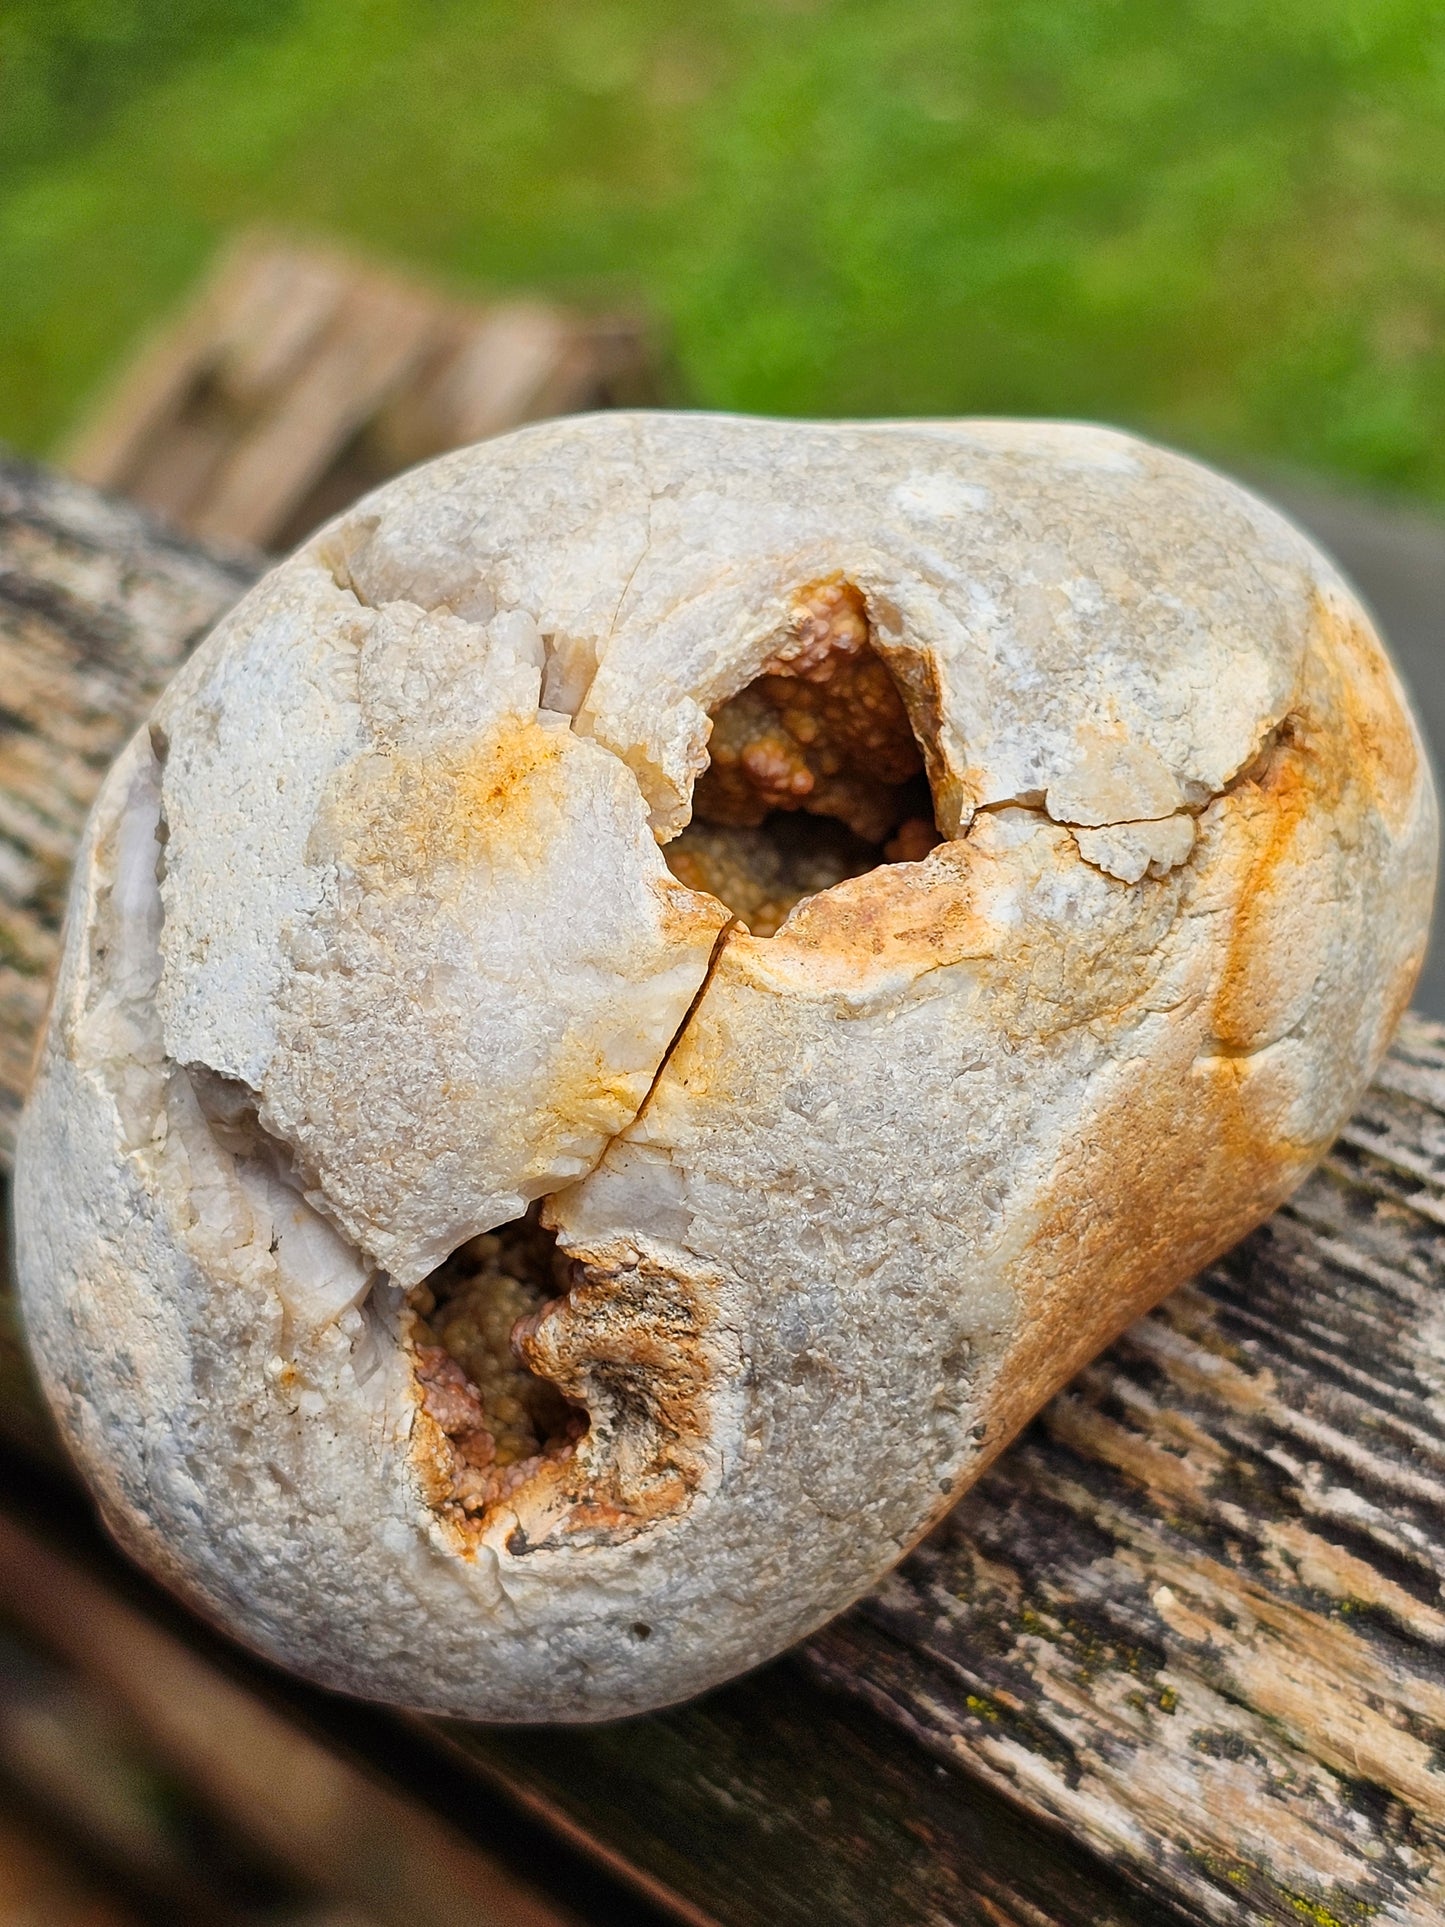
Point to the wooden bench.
(1179, 1658)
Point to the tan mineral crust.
(486, 1268)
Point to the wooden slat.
(321, 1816)
(97, 607)
(37, 1886)
(497, 372)
(109, 449)
(1179, 1658)
(297, 377)
(374, 340)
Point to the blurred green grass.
(1221, 222)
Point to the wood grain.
(97, 606)
(1179, 1658)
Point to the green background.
(1221, 222)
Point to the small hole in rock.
(501, 1421)
(815, 773)
(641, 1631)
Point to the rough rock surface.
(372, 945)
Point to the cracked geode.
(516, 1220)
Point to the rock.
(373, 953)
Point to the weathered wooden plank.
(1180, 1657)
(113, 447)
(36, 1884)
(296, 377)
(376, 337)
(315, 1811)
(97, 606)
(772, 1804)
